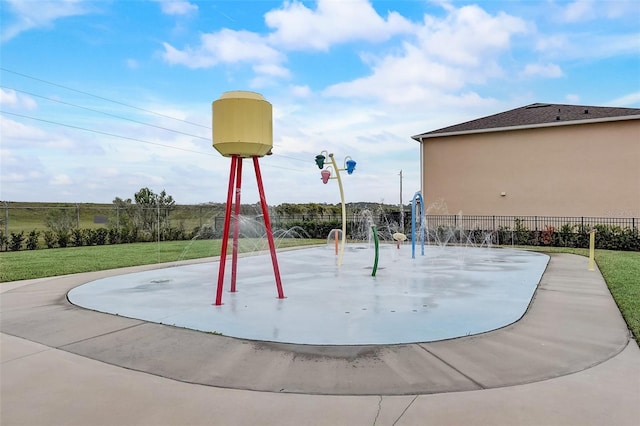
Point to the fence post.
(592, 246)
(6, 219)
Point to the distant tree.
(60, 220)
(147, 213)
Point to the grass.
(621, 270)
(29, 264)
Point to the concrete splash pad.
(449, 292)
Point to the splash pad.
(447, 293)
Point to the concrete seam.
(100, 335)
(24, 356)
(404, 411)
(477, 383)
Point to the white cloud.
(272, 70)
(542, 70)
(579, 10)
(28, 15)
(551, 43)
(410, 77)
(61, 180)
(177, 7)
(573, 98)
(450, 53)
(628, 100)
(331, 22)
(226, 46)
(587, 10)
(11, 98)
(572, 46)
(12, 131)
(301, 91)
(467, 36)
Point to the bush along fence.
(64, 228)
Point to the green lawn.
(28, 264)
(621, 270)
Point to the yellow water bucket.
(242, 124)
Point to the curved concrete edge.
(572, 324)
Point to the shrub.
(548, 236)
(205, 232)
(522, 235)
(315, 229)
(113, 236)
(99, 236)
(63, 238)
(566, 236)
(15, 242)
(77, 237)
(3, 241)
(50, 238)
(32, 240)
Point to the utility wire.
(128, 138)
(103, 133)
(118, 103)
(101, 97)
(106, 113)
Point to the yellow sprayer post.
(592, 249)
(344, 210)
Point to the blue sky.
(102, 98)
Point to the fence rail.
(17, 218)
(534, 223)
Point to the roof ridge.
(537, 114)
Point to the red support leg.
(236, 226)
(225, 231)
(267, 225)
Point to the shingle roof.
(533, 115)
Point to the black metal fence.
(533, 223)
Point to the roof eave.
(423, 136)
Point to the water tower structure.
(242, 128)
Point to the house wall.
(573, 170)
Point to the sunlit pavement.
(569, 360)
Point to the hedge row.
(606, 236)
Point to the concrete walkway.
(568, 361)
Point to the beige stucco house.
(540, 159)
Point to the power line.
(106, 113)
(100, 132)
(112, 115)
(129, 138)
(101, 97)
